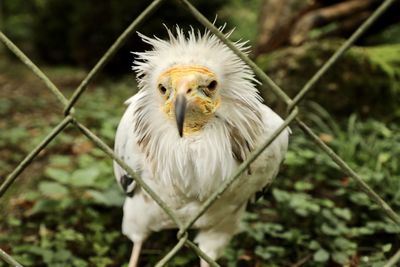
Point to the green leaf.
(280, 195)
(85, 177)
(387, 247)
(263, 253)
(340, 257)
(53, 189)
(45, 206)
(321, 255)
(303, 204)
(13, 221)
(314, 245)
(111, 197)
(328, 230)
(60, 160)
(181, 260)
(59, 175)
(292, 159)
(344, 244)
(343, 213)
(303, 186)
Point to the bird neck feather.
(196, 164)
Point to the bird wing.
(126, 148)
(266, 167)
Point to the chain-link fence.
(292, 111)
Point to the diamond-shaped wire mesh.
(292, 109)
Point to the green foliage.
(67, 235)
(387, 59)
(70, 211)
(314, 213)
(364, 80)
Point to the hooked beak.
(180, 111)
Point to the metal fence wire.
(292, 115)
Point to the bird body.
(196, 84)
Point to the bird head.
(190, 95)
(193, 78)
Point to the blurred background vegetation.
(65, 209)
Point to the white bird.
(196, 117)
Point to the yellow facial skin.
(200, 87)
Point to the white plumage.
(225, 121)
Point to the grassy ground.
(64, 210)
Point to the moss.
(364, 79)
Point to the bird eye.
(212, 85)
(162, 89)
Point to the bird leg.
(137, 246)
